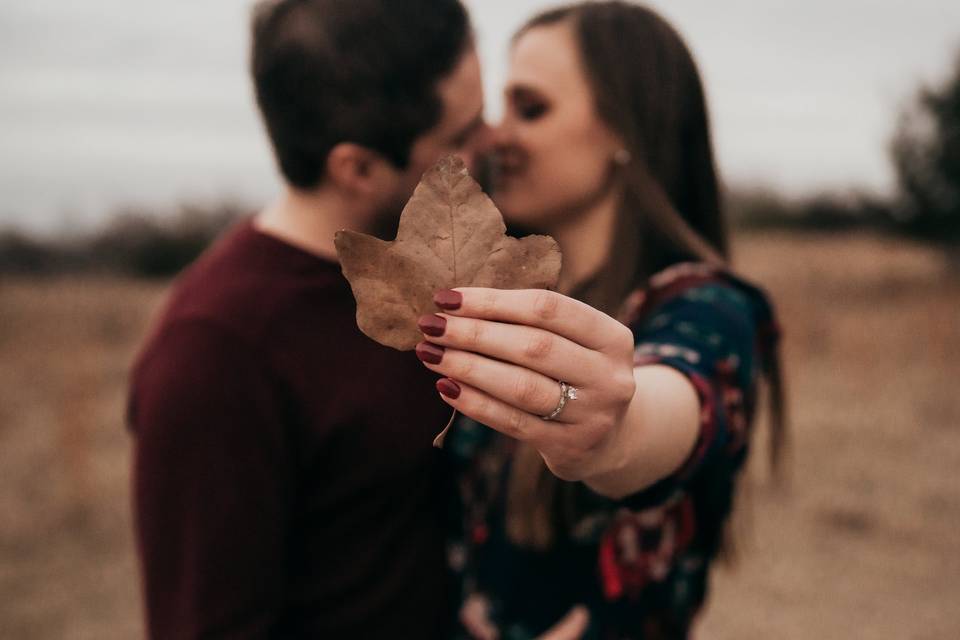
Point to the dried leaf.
(450, 235)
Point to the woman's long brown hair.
(647, 90)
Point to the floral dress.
(639, 564)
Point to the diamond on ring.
(567, 392)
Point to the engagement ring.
(567, 392)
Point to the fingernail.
(429, 352)
(448, 299)
(432, 325)
(449, 388)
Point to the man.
(285, 484)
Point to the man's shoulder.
(237, 308)
(245, 281)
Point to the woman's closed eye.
(527, 105)
(531, 110)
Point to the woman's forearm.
(657, 434)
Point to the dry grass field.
(859, 543)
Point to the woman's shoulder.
(699, 283)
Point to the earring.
(622, 157)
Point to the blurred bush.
(21, 254)
(134, 242)
(926, 154)
(761, 208)
(152, 246)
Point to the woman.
(620, 407)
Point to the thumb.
(571, 627)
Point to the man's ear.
(355, 169)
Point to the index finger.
(555, 312)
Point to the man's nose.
(485, 139)
(480, 146)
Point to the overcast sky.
(110, 102)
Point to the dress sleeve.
(714, 331)
(211, 486)
(709, 331)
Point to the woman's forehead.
(546, 58)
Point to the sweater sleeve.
(211, 486)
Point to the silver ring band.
(567, 392)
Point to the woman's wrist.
(610, 472)
(654, 437)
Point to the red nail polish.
(429, 352)
(448, 299)
(432, 325)
(449, 388)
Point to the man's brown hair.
(360, 71)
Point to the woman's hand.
(503, 353)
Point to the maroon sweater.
(285, 484)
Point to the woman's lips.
(511, 171)
(503, 180)
(507, 174)
(510, 164)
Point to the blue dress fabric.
(639, 564)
